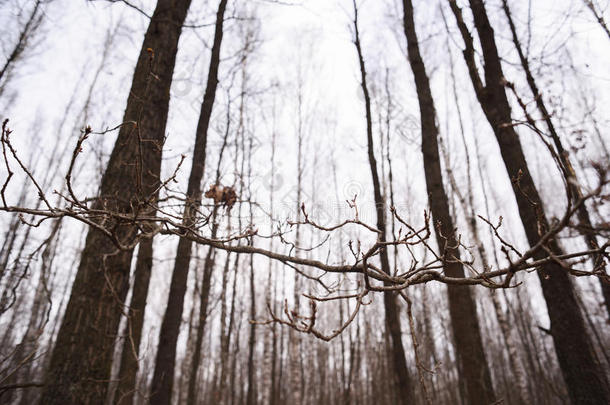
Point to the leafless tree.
(310, 307)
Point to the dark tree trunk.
(209, 263)
(392, 317)
(163, 377)
(583, 374)
(220, 394)
(204, 295)
(131, 347)
(585, 226)
(80, 364)
(474, 371)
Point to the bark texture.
(81, 360)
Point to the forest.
(304, 202)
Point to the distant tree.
(29, 21)
(594, 8)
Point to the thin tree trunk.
(251, 393)
(392, 318)
(272, 389)
(130, 354)
(280, 386)
(185, 368)
(225, 336)
(163, 377)
(294, 338)
(206, 282)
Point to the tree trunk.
(224, 337)
(131, 347)
(204, 296)
(585, 226)
(583, 374)
(392, 317)
(270, 394)
(81, 360)
(474, 371)
(163, 377)
(251, 396)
